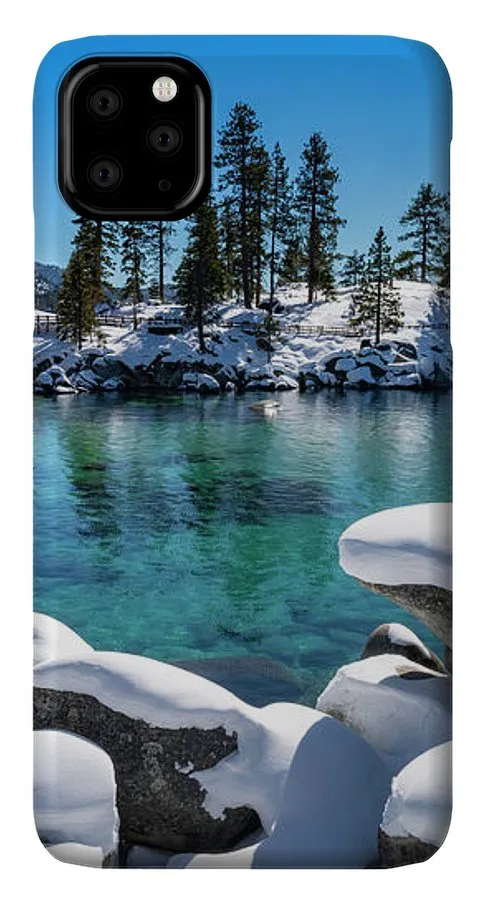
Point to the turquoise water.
(189, 528)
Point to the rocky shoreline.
(391, 365)
(189, 775)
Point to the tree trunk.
(200, 306)
(424, 249)
(160, 260)
(313, 235)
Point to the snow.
(400, 707)
(402, 635)
(77, 854)
(420, 801)
(236, 348)
(404, 545)
(74, 792)
(362, 375)
(53, 639)
(279, 739)
(330, 807)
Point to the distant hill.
(46, 285)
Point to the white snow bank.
(74, 792)
(400, 707)
(405, 545)
(77, 854)
(53, 639)
(269, 739)
(420, 801)
(330, 808)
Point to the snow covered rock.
(75, 796)
(361, 377)
(206, 384)
(418, 812)
(331, 801)
(53, 640)
(158, 724)
(112, 384)
(405, 554)
(345, 364)
(285, 383)
(399, 707)
(45, 380)
(393, 637)
(88, 379)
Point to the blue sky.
(382, 104)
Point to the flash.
(164, 89)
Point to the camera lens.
(105, 103)
(105, 174)
(164, 138)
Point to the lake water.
(192, 528)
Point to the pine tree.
(426, 223)
(97, 243)
(239, 157)
(158, 236)
(133, 263)
(200, 276)
(86, 280)
(75, 309)
(259, 177)
(316, 203)
(281, 218)
(405, 265)
(229, 248)
(376, 302)
(353, 269)
(293, 262)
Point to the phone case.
(242, 476)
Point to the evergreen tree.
(259, 177)
(353, 269)
(293, 262)
(133, 263)
(405, 266)
(86, 280)
(158, 236)
(376, 302)
(426, 227)
(239, 158)
(229, 247)
(75, 309)
(316, 202)
(281, 219)
(200, 276)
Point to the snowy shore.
(205, 779)
(313, 349)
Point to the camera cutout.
(118, 158)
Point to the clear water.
(188, 528)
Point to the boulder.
(393, 637)
(361, 377)
(158, 724)
(285, 383)
(418, 812)
(88, 379)
(75, 797)
(206, 384)
(405, 554)
(345, 364)
(113, 384)
(400, 707)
